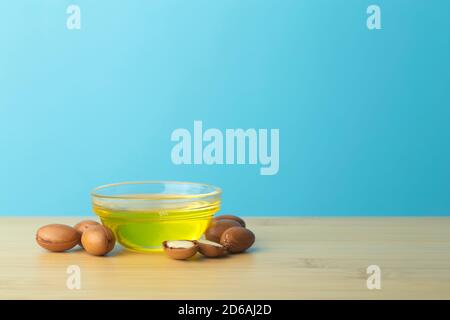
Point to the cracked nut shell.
(180, 249)
(211, 249)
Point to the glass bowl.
(144, 214)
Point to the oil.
(141, 227)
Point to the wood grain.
(293, 258)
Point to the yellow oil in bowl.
(144, 214)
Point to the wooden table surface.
(293, 258)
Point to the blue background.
(363, 115)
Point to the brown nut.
(98, 240)
(180, 249)
(82, 226)
(211, 249)
(237, 239)
(57, 237)
(230, 217)
(218, 227)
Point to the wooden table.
(293, 258)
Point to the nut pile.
(94, 238)
(226, 234)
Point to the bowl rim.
(216, 190)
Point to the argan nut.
(82, 226)
(237, 239)
(57, 237)
(98, 240)
(211, 249)
(215, 230)
(230, 217)
(180, 249)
